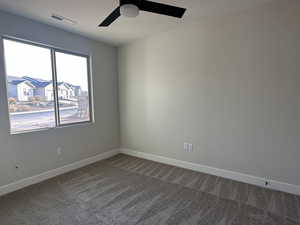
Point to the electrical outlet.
(59, 151)
(185, 146)
(190, 147)
(17, 166)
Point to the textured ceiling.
(89, 13)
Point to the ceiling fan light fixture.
(129, 10)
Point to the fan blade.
(160, 8)
(111, 18)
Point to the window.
(73, 100)
(46, 87)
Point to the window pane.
(73, 88)
(29, 86)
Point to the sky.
(33, 61)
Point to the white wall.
(36, 152)
(230, 86)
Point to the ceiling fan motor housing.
(129, 8)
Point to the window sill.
(88, 123)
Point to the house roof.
(75, 86)
(38, 83)
(28, 83)
(68, 85)
(15, 80)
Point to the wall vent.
(62, 18)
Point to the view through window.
(73, 91)
(32, 100)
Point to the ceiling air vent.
(62, 18)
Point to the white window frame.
(55, 92)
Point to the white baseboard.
(258, 181)
(275, 185)
(55, 172)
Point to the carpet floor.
(125, 190)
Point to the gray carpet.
(125, 190)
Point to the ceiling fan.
(131, 8)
